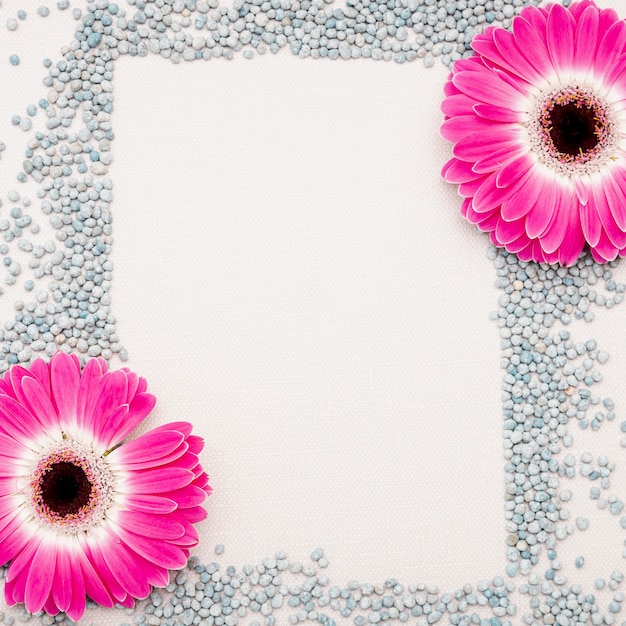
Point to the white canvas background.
(293, 277)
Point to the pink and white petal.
(518, 245)
(528, 191)
(19, 423)
(487, 86)
(148, 503)
(528, 37)
(586, 40)
(64, 383)
(152, 526)
(487, 222)
(41, 574)
(161, 553)
(560, 39)
(20, 549)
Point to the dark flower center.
(65, 488)
(573, 127)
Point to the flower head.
(81, 512)
(538, 122)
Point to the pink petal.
(61, 589)
(586, 39)
(488, 87)
(496, 114)
(573, 244)
(161, 553)
(95, 588)
(590, 223)
(64, 381)
(615, 189)
(151, 526)
(40, 576)
(560, 39)
(611, 47)
(110, 424)
(538, 218)
(147, 503)
(196, 444)
(182, 427)
(528, 38)
(95, 556)
(139, 409)
(127, 568)
(564, 213)
(189, 496)
(515, 56)
(605, 248)
(162, 480)
(507, 232)
(458, 104)
(76, 609)
(87, 396)
(457, 127)
(477, 145)
(148, 448)
(194, 514)
(616, 236)
(616, 73)
(111, 393)
(457, 171)
(17, 422)
(39, 403)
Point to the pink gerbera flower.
(81, 513)
(538, 122)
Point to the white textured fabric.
(293, 277)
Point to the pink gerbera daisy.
(538, 122)
(81, 513)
